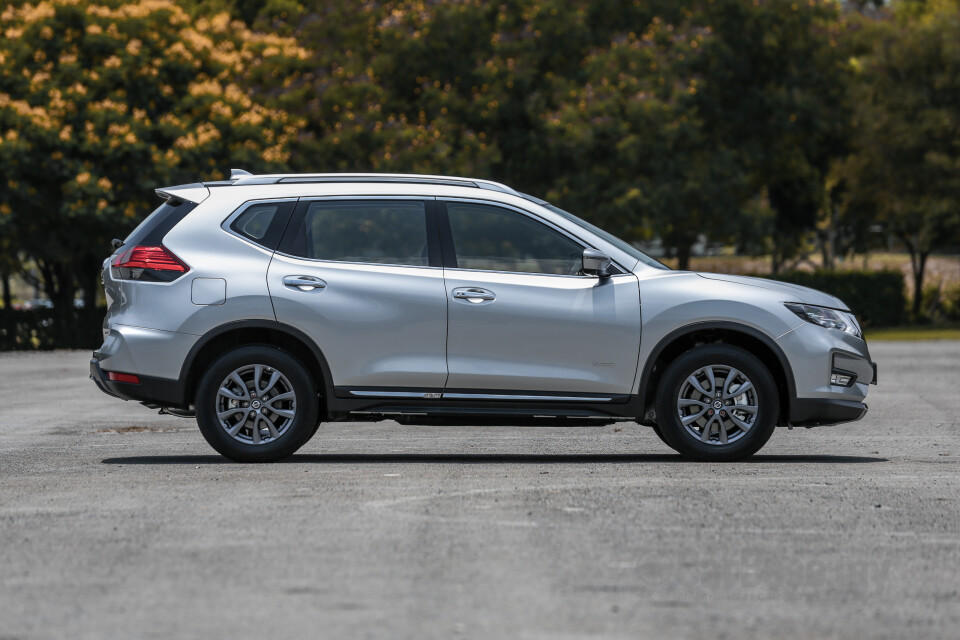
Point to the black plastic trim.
(811, 412)
(188, 362)
(720, 324)
(150, 390)
(341, 406)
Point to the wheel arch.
(244, 332)
(685, 338)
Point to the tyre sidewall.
(676, 435)
(296, 435)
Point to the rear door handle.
(304, 283)
(473, 294)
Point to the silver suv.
(267, 304)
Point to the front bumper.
(813, 412)
(154, 392)
(815, 355)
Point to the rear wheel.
(257, 404)
(717, 403)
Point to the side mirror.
(596, 263)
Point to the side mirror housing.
(596, 263)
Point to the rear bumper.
(151, 391)
(812, 412)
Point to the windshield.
(624, 246)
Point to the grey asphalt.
(116, 522)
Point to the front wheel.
(717, 403)
(257, 404)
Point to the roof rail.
(239, 177)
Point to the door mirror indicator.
(596, 263)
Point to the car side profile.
(266, 305)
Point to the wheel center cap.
(717, 404)
(255, 404)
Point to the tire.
(277, 418)
(689, 418)
(659, 433)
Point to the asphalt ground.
(116, 522)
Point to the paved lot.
(117, 522)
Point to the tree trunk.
(683, 257)
(918, 265)
(7, 296)
(918, 272)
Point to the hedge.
(42, 329)
(876, 297)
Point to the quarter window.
(373, 231)
(255, 221)
(494, 239)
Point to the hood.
(790, 292)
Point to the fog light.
(843, 378)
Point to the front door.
(356, 276)
(521, 316)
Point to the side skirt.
(471, 407)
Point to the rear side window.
(371, 231)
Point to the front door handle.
(473, 294)
(304, 283)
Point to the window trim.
(434, 256)
(449, 247)
(272, 238)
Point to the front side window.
(490, 238)
(373, 231)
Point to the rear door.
(362, 278)
(522, 318)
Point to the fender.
(735, 327)
(188, 363)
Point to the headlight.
(827, 318)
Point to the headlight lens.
(827, 318)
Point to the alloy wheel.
(717, 404)
(256, 404)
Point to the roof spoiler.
(194, 192)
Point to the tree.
(643, 160)
(774, 88)
(101, 102)
(904, 172)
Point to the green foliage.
(877, 297)
(950, 301)
(904, 172)
(102, 102)
(749, 123)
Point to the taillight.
(156, 264)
